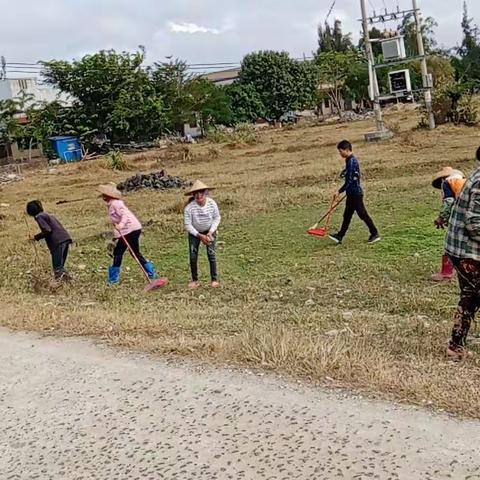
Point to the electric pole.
(426, 79)
(372, 74)
(383, 133)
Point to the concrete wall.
(11, 88)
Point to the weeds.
(116, 161)
(364, 316)
(243, 134)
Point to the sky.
(197, 31)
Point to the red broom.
(323, 231)
(152, 284)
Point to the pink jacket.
(122, 218)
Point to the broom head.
(318, 232)
(156, 284)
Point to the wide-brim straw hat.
(110, 190)
(442, 175)
(198, 186)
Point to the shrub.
(116, 161)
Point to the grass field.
(358, 315)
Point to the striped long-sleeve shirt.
(202, 219)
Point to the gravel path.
(73, 410)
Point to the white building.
(11, 88)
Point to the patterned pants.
(469, 280)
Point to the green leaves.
(281, 83)
(112, 93)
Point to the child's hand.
(204, 239)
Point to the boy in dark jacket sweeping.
(58, 240)
(353, 189)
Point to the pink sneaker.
(215, 284)
(193, 285)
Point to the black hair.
(34, 208)
(344, 145)
(478, 154)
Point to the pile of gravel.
(155, 180)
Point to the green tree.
(281, 83)
(409, 31)
(333, 39)
(208, 103)
(335, 70)
(375, 34)
(245, 103)
(170, 80)
(112, 92)
(467, 64)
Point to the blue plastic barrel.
(68, 149)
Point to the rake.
(152, 284)
(323, 231)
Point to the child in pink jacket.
(126, 226)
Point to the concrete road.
(71, 410)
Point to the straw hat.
(110, 190)
(442, 175)
(198, 186)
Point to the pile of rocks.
(9, 178)
(155, 180)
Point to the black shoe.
(374, 238)
(336, 238)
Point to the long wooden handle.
(334, 205)
(132, 253)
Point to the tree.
(245, 102)
(468, 64)
(470, 33)
(332, 39)
(112, 92)
(170, 80)
(335, 68)
(408, 29)
(281, 83)
(375, 34)
(208, 103)
(357, 81)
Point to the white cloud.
(186, 27)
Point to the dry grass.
(356, 315)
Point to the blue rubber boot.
(113, 275)
(150, 269)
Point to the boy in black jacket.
(353, 189)
(57, 238)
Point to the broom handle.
(333, 207)
(133, 254)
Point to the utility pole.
(372, 74)
(427, 83)
(381, 132)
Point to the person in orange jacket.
(450, 182)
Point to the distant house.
(223, 77)
(12, 88)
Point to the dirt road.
(73, 410)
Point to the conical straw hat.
(198, 186)
(445, 173)
(110, 190)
